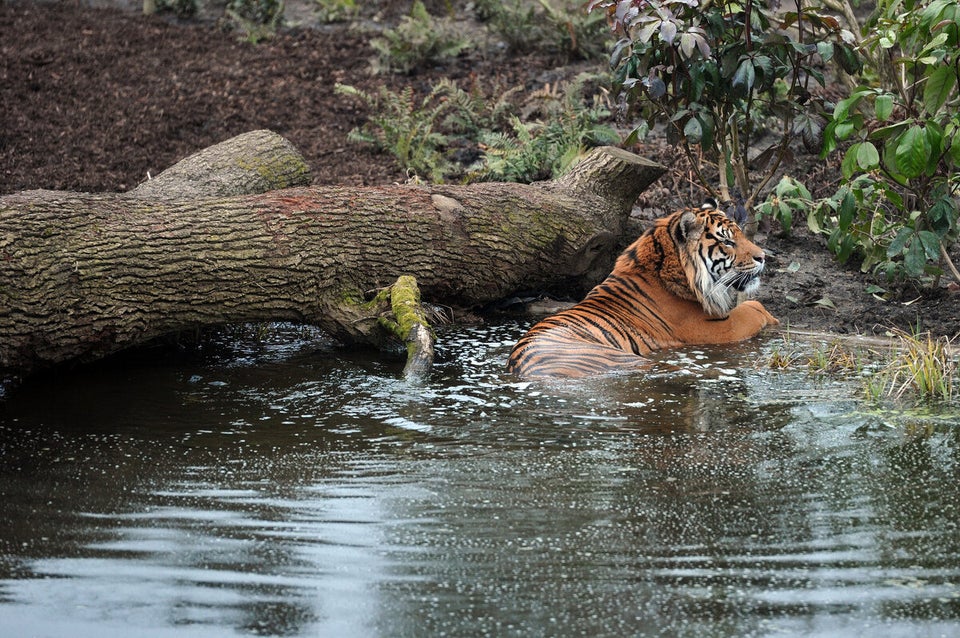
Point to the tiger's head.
(702, 255)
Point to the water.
(288, 488)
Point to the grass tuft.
(922, 366)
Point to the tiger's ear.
(688, 226)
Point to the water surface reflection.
(295, 490)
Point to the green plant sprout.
(407, 128)
(537, 139)
(335, 10)
(545, 147)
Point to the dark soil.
(95, 96)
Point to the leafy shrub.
(898, 207)
(715, 71)
(419, 39)
(788, 199)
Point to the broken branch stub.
(254, 162)
(408, 322)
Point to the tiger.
(679, 283)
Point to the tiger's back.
(678, 284)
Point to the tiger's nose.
(760, 258)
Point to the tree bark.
(255, 162)
(84, 275)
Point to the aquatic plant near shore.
(924, 366)
(910, 367)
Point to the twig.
(949, 262)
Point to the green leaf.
(817, 75)
(698, 81)
(786, 219)
(638, 133)
(844, 106)
(931, 244)
(867, 156)
(891, 193)
(883, 106)
(890, 160)
(829, 139)
(932, 12)
(825, 302)
(940, 84)
(913, 151)
(914, 260)
(848, 59)
(843, 129)
(764, 64)
(789, 187)
(846, 249)
(934, 46)
(888, 131)
(706, 124)
(746, 75)
(898, 243)
(851, 125)
(848, 207)
(942, 216)
(954, 150)
(825, 49)
(688, 45)
(693, 130)
(646, 33)
(934, 137)
(668, 31)
(849, 164)
(620, 49)
(833, 242)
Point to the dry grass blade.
(924, 365)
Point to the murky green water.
(291, 489)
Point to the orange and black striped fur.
(678, 284)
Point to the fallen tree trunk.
(84, 275)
